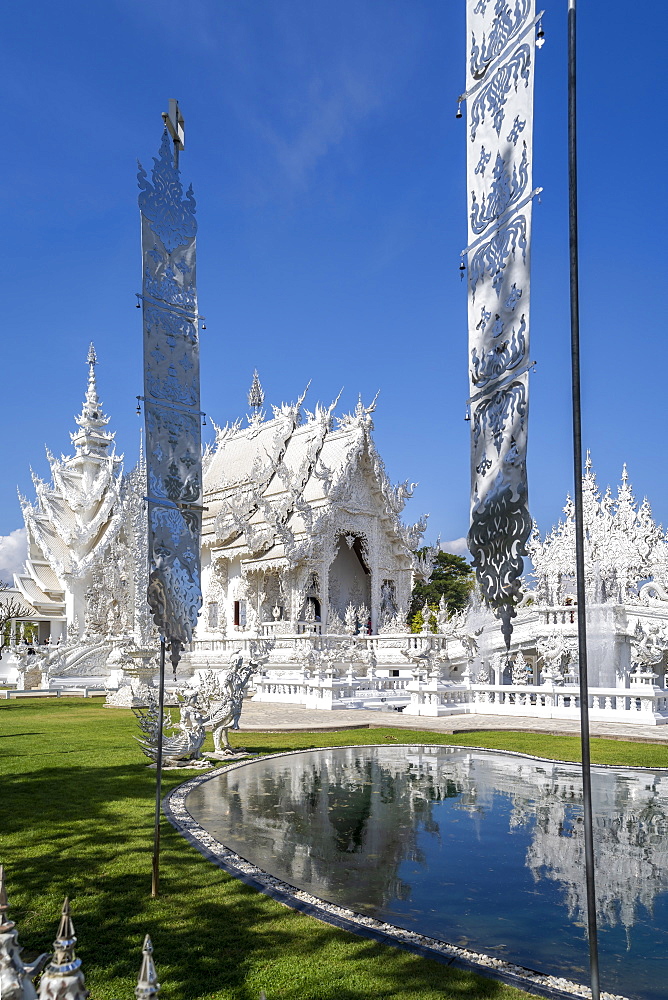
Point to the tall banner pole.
(171, 408)
(155, 878)
(499, 101)
(577, 495)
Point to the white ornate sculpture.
(649, 643)
(521, 669)
(557, 653)
(499, 100)
(187, 740)
(62, 978)
(15, 977)
(223, 702)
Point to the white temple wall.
(236, 591)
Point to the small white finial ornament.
(63, 979)
(147, 986)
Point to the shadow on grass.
(87, 832)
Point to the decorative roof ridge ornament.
(292, 410)
(361, 415)
(623, 547)
(256, 399)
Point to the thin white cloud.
(330, 110)
(13, 553)
(457, 547)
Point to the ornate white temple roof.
(79, 509)
(268, 484)
(624, 548)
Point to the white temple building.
(307, 565)
(302, 525)
(84, 575)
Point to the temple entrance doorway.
(349, 575)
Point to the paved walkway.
(273, 717)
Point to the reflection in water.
(467, 846)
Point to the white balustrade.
(359, 670)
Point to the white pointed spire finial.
(256, 393)
(91, 361)
(147, 986)
(625, 475)
(588, 461)
(63, 976)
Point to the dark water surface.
(477, 848)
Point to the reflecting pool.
(480, 849)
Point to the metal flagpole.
(579, 527)
(155, 881)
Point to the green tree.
(451, 577)
(417, 621)
(12, 609)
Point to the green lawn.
(76, 817)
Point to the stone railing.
(333, 671)
(560, 615)
(284, 635)
(328, 690)
(638, 704)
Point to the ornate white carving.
(623, 548)
(521, 669)
(499, 88)
(558, 652)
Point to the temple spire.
(91, 440)
(256, 399)
(92, 361)
(256, 393)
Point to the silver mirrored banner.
(499, 99)
(171, 399)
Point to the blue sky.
(329, 171)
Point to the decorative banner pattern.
(171, 399)
(500, 146)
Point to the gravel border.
(175, 810)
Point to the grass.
(77, 819)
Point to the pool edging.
(539, 984)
